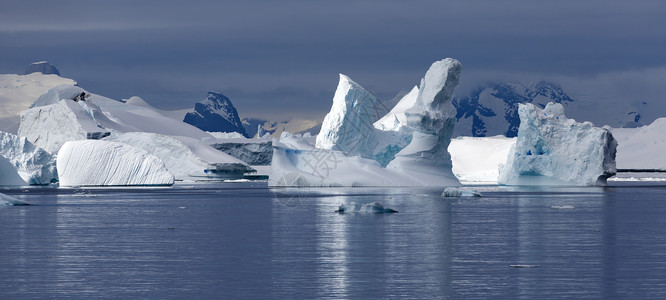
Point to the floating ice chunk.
(457, 192)
(524, 266)
(553, 150)
(562, 207)
(367, 208)
(9, 200)
(102, 163)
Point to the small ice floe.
(9, 200)
(368, 208)
(456, 192)
(524, 266)
(562, 207)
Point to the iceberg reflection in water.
(244, 240)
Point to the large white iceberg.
(68, 113)
(352, 151)
(553, 150)
(102, 163)
(33, 164)
(179, 157)
(477, 159)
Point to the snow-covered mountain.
(17, 92)
(492, 108)
(275, 128)
(216, 113)
(43, 67)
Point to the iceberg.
(9, 201)
(457, 192)
(179, 158)
(477, 159)
(351, 151)
(33, 164)
(348, 127)
(102, 163)
(8, 174)
(553, 150)
(367, 208)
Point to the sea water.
(247, 241)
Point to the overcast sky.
(277, 59)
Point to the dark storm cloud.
(283, 56)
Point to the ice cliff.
(102, 163)
(352, 150)
(553, 150)
(33, 164)
(178, 154)
(215, 113)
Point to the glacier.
(351, 151)
(35, 165)
(641, 148)
(553, 150)
(102, 163)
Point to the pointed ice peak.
(348, 126)
(438, 83)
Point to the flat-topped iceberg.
(353, 150)
(180, 159)
(553, 150)
(102, 163)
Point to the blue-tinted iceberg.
(353, 150)
(102, 163)
(8, 174)
(554, 150)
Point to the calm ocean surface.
(245, 241)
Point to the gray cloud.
(283, 57)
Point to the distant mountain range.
(216, 113)
(492, 108)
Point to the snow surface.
(33, 164)
(8, 174)
(396, 118)
(17, 92)
(643, 147)
(553, 150)
(57, 118)
(102, 163)
(477, 159)
(366, 156)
